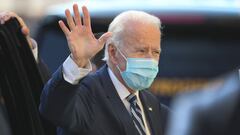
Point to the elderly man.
(115, 100)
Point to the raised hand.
(81, 41)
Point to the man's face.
(140, 41)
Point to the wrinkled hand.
(81, 41)
(5, 16)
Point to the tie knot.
(132, 99)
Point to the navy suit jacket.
(93, 107)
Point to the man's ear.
(112, 50)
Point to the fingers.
(25, 31)
(70, 21)
(77, 16)
(86, 18)
(5, 16)
(64, 27)
(4, 19)
(102, 40)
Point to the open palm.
(81, 41)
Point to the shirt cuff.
(34, 49)
(72, 73)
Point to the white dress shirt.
(34, 49)
(72, 74)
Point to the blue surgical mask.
(140, 72)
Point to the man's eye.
(142, 51)
(156, 52)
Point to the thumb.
(25, 30)
(102, 40)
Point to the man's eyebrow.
(157, 50)
(141, 47)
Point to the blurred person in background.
(115, 100)
(5, 16)
(214, 110)
(43, 69)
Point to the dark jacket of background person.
(49, 128)
(44, 71)
(5, 128)
(212, 111)
(93, 107)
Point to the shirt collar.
(121, 89)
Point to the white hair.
(117, 26)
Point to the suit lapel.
(151, 114)
(116, 105)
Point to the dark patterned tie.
(136, 114)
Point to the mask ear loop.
(121, 53)
(123, 57)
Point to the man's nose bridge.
(149, 54)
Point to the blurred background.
(200, 39)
